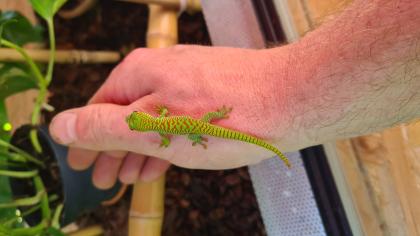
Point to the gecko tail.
(270, 147)
(262, 143)
(278, 153)
(284, 159)
(236, 135)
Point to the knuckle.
(134, 57)
(138, 53)
(93, 125)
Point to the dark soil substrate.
(197, 202)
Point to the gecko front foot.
(224, 112)
(162, 111)
(198, 139)
(221, 113)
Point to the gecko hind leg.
(165, 141)
(222, 113)
(198, 139)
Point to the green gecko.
(193, 128)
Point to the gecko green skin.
(193, 128)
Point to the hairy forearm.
(357, 73)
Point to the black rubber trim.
(325, 191)
(269, 22)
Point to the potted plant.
(38, 191)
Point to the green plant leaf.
(17, 29)
(47, 8)
(4, 230)
(5, 196)
(5, 192)
(51, 231)
(14, 79)
(4, 135)
(3, 23)
(58, 4)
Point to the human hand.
(331, 84)
(189, 80)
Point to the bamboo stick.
(62, 56)
(147, 208)
(162, 28)
(190, 6)
(147, 203)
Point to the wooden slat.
(319, 11)
(374, 156)
(300, 17)
(368, 221)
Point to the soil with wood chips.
(197, 202)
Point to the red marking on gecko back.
(172, 125)
(187, 125)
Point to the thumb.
(96, 127)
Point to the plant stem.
(19, 174)
(28, 201)
(27, 212)
(36, 230)
(6, 164)
(33, 67)
(38, 105)
(45, 206)
(56, 218)
(11, 158)
(22, 153)
(30, 211)
(51, 34)
(33, 135)
(42, 95)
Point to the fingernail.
(63, 128)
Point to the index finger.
(128, 81)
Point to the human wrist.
(284, 74)
(311, 99)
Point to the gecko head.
(139, 121)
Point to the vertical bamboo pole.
(147, 203)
